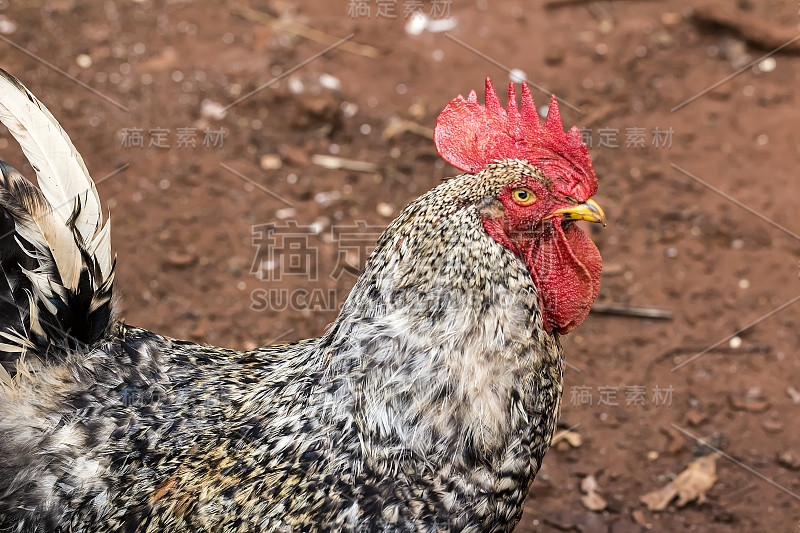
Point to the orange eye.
(523, 196)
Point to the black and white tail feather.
(56, 267)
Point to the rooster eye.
(523, 196)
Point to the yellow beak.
(587, 211)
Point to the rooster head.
(541, 181)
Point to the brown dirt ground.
(183, 221)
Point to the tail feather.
(56, 267)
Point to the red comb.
(469, 136)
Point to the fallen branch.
(756, 31)
(632, 311)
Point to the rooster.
(427, 405)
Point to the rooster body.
(427, 405)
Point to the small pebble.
(518, 75)
(384, 209)
(296, 86)
(417, 23)
(349, 109)
(789, 459)
(286, 212)
(767, 65)
(325, 198)
(270, 162)
(441, 25)
(735, 342)
(330, 82)
(212, 110)
(669, 18)
(7, 27)
(793, 393)
(180, 260)
(84, 60)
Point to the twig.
(758, 348)
(632, 311)
(738, 492)
(398, 125)
(724, 349)
(304, 31)
(340, 163)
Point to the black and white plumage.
(55, 292)
(428, 404)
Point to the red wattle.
(567, 269)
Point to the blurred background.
(250, 153)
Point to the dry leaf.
(573, 438)
(751, 400)
(589, 484)
(591, 499)
(676, 443)
(593, 502)
(695, 417)
(788, 459)
(639, 517)
(691, 484)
